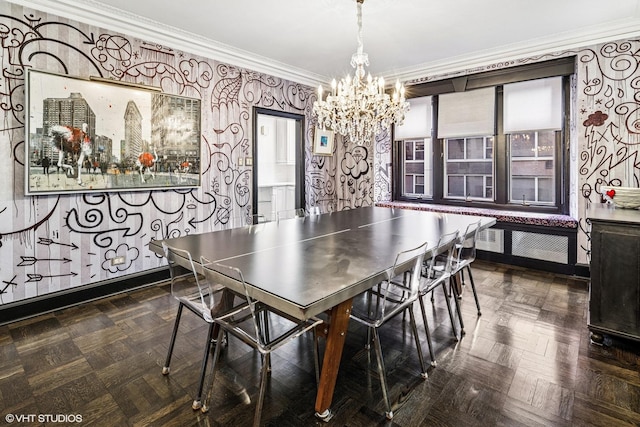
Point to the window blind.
(470, 113)
(533, 105)
(417, 122)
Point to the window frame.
(536, 157)
(426, 163)
(487, 141)
(564, 67)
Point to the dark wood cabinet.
(614, 304)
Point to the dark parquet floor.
(527, 361)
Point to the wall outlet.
(118, 260)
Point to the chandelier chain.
(359, 14)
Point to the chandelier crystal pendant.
(358, 107)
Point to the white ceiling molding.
(98, 14)
(102, 16)
(553, 45)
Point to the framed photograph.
(94, 135)
(323, 142)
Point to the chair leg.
(416, 337)
(448, 301)
(473, 287)
(197, 402)
(382, 373)
(212, 376)
(263, 385)
(316, 356)
(367, 344)
(456, 298)
(264, 324)
(426, 329)
(166, 369)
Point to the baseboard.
(36, 306)
(579, 270)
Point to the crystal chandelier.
(358, 107)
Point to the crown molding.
(103, 16)
(575, 41)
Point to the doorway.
(278, 162)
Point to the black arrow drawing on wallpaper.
(30, 260)
(9, 283)
(49, 242)
(89, 39)
(35, 277)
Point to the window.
(418, 168)
(532, 167)
(469, 168)
(532, 120)
(416, 150)
(498, 139)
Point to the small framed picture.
(323, 142)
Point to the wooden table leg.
(331, 362)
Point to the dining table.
(316, 264)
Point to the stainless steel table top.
(304, 266)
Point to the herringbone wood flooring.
(527, 361)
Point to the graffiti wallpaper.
(54, 243)
(608, 122)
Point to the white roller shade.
(417, 122)
(469, 113)
(533, 105)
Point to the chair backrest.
(401, 284)
(314, 210)
(191, 288)
(258, 219)
(466, 246)
(290, 213)
(220, 275)
(444, 252)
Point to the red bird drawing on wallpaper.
(146, 161)
(71, 140)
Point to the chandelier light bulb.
(357, 108)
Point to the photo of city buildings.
(85, 135)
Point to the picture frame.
(96, 135)
(323, 142)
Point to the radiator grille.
(491, 240)
(540, 246)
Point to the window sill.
(514, 217)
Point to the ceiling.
(311, 41)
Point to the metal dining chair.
(290, 213)
(393, 296)
(199, 296)
(437, 273)
(465, 250)
(314, 210)
(258, 219)
(251, 325)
